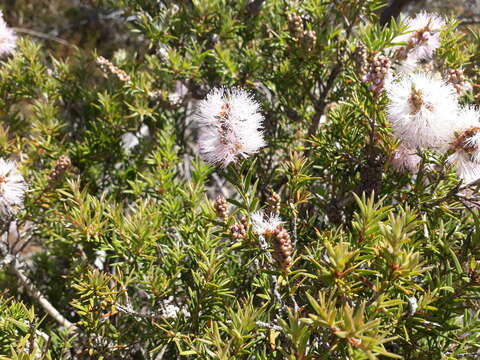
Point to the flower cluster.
(230, 126)
(424, 110)
(8, 39)
(425, 114)
(421, 39)
(271, 227)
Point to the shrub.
(242, 180)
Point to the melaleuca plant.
(240, 180)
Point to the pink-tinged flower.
(230, 126)
(405, 159)
(12, 187)
(423, 111)
(8, 39)
(421, 39)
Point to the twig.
(129, 310)
(16, 265)
(42, 36)
(268, 326)
(453, 192)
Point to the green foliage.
(127, 244)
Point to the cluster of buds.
(62, 164)
(238, 231)
(108, 67)
(295, 25)
(307, 38)
(273, 202)
(378, 71)
(458, 80)
(221, 207)
(282, 245)
(361, 60)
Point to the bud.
(221, 207)
(309, 39)
(62, 164)
(273, 202)
(457, 79)
(238, 231)
(282, 245)
(295, 25)
(378, 70)
(108, 67)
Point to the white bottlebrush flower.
(8, 39)
(405, 159)
(12, 187)
(423, 111)
(263, 224)
(466, 145)
(230, 125)
(467, 170)
(421, 39)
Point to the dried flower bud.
(273, 202)
(238, 231)
(221, 207)
(62, 164)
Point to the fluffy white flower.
(421, 39)
(466, 145)
(467, 170)
(405, 159)
(263, 224)
(12, 187)
(423, 111)
(8, 39)
(230, 125)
